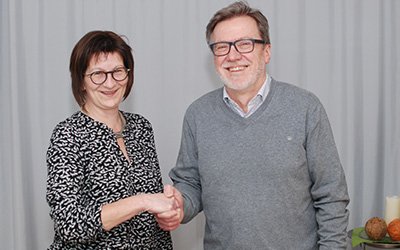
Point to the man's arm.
(329, 189)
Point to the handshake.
(167, 208)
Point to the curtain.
(345, 51)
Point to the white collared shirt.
(254, 103)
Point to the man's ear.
(267, 51)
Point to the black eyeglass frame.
(106, 74)
(253, 41)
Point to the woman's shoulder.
(75, 120)
(136, 120)
(68, 129)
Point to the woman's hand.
(115, 213)
(159, 203)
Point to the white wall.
(345, 51)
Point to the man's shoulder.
(292, 91)
(286, 86)
(207, 100)
(212, 95)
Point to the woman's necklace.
(119, 134)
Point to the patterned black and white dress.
(87, 169)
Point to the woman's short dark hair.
(237, 9)
(92, 45)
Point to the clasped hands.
(170, 215)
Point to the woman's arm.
(115, 213)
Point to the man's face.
(241, 72)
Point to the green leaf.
(356, 239)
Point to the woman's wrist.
(144, 200)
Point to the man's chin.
(236, 86)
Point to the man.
(258, 155)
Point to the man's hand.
(170, 220)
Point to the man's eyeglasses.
(242, 46)
(100, 77)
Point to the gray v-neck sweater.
(270, 181)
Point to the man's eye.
(244, 43)
(221, 47)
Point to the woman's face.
(108, 95)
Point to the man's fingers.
(167, 215)
(168, 191)
(168, 226)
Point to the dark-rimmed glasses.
(100, 77)
(242, 46)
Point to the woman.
(104, 183)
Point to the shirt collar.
(262, 92)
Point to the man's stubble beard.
(242, 86)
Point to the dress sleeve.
(329, 188)
(151, 157)
(185, 174)
(74, 220)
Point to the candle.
(392, 208)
